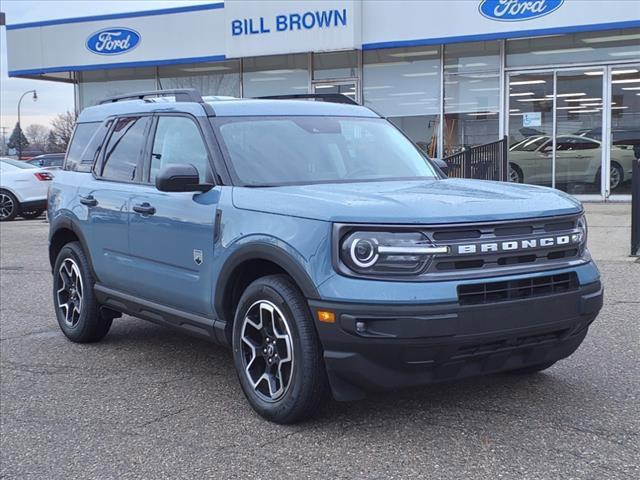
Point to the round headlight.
(364, 252)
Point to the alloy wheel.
(267, 350)
(70, 293)
(614, 178)
(6, 206)
(514, 177)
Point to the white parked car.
(23, 189)
(578, 160)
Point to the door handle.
(144, 208)
(89, 201)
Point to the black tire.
(532, 368)
(306, 386)
(30, 215)
(87, 325)
(9, 206)
(616, 169)
(515, 173)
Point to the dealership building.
(557, 80)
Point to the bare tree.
(62, 128)
(37, 136)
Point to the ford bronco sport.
(315, 240)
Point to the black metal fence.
(484, 162)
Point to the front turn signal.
(326, 316)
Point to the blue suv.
(314, 239)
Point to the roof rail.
(325, 97)
(181, 95)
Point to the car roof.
(225, 108)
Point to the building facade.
(560, 79)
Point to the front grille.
(459, 235)
(493, 292)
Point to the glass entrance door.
(530, 128)
(578, 152)
(623, 126)
(348, 88)
(554, 120)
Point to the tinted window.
(124, 148)
(292, 150)
(178, 140)
(81, 137)
(575, 143)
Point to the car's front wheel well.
(242, 276)
(59, 240)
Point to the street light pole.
(35, 97)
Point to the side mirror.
(180, 177)
(442, 165)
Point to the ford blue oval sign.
(113, 41)
(517, 10)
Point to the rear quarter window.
(85, 145)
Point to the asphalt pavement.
(149, 403)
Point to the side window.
(79, 142)
(178, 140)
(124, 148)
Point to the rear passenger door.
(171, 234)
(106, 199)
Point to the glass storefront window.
(603, 46)
(471, 95)
(219, 78)
(403, 84)
(275, 75)
(530, 128)
(96, 85)
(332, 65)
(625, 126)
(579, 107)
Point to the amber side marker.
(326, 316)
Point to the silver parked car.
(578, 160)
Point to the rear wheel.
(276, 351)
(30, 215)
(9, 206)
(76, 307)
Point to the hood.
(408, 202)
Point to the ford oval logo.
(113, 41)
(517, 10)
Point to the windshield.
(530, 144)
(268, 151)
(16, 163)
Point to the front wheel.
(515, 174)
(276, 351)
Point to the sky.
(53, 97)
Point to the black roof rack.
(325, 97)
(181, 95)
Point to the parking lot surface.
(149, 403)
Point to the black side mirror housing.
(180, 177)
(442, 165)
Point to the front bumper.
(379, 347)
